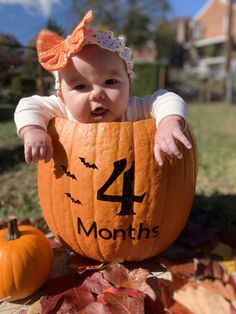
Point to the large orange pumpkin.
(103, 194)
(25, 261)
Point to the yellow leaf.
(223, 250)
(229, 266)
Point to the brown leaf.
(178, 308)
(232, 280)
(120, 302)
(166, 292)
(216, 286)
(65, 295)
(120, 276)
(82, 264)
(229, 266)
(224, 251)
(97, 308)
(202, 301)
(96, 283)
(209, 268)
(184, 270)
(116, 274)
(181, 274)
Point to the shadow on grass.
(9, 158)
(217, 210)
(6, 113)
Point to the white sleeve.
(38, 110)
(159, 105)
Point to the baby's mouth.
(99, 111)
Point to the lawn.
(214, 127)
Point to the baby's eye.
(111, 81)
(80, 86)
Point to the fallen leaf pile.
(196, 275)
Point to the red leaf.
(178, 308)
(116, 274)
(122, 303)
(96, 283)
(96, 308)
(65, 295)
(120, 276)
(128, 292)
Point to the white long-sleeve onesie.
(38, 110)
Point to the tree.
(54, 26)
(134, 19)
(11, 57)
(164, 37)
(136, 28)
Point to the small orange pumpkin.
(103, 194)
(25, 261)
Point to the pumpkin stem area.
(13, 231)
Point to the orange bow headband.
(54, 51)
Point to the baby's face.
(95, 85)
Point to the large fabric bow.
(54, 51)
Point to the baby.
(94, 73)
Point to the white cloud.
(41, 6)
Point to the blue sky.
(24, 18)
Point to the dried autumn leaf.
(96, 283)
(64, 295)
(178, 308)
(166, 292)
(95, 307)
(229, 266)
(222, 250)
(116, 274)
(120, 301)
(201, 301)
(184, 270)
(216, 286)
(119, 276)
(181, 274)
(82, 264)
(209, 268)
(232, 280)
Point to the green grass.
(18, 193)
(214, 127)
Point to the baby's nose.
(97, 93)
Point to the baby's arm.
(31, 117)
(170, 129)
(170, 113)
(37, 144)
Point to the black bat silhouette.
(87, 164)
(73, 199)
(68, 173)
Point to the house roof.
(207, 5)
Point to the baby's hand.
(169, 129)
(38, 144)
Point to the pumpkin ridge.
(54, 124)
(95, 212)
(52, 220)
(70, 209)
(10, 266)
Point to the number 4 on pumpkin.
(127, 198)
